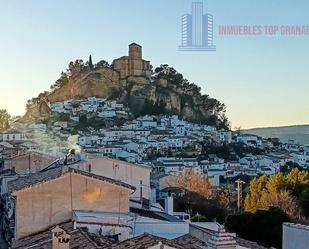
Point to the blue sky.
(264, 81)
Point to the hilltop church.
(132, 65)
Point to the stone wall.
(121, 65)
(132, 65)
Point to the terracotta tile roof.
(32, 179)
(33, 153)
(80, 238)
(53, 173)
(190, 242)
(248, 244)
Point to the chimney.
(169, 204)
(61, 240)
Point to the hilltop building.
(132, 65)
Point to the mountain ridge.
(280, 126)
(298, 133)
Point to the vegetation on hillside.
(151, 108)
(74, 70)
(208, 110)
(4, 120)
(194, 106)
(263, 227)
(287, 192)
(270, 201)
(86, 123)
(200, 198)
(229, 152)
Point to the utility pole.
(239, 192)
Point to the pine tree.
(298, 180)
(255, 199)
(4, 120)
(90, 62)
(276, 183)
(286, 192)
(304, 201)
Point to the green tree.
(254, 199)
(83, 119)
(204, 209)
(264, 226)
(212, 112)
(276, 183)
(75, 68)
(4, 120)
(102, 64)
(90, 63)
(279, 191)
(304, 201)
(297, 180)
(63, 80)
(277, 194)
(169, 73)
(151, 108)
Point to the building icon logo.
(197, 30)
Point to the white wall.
(295, 236)
(126, 172)
(160, 228)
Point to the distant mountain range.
(298, 133)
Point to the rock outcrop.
(102, 82)
(164, 91)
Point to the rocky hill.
(161, 91)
